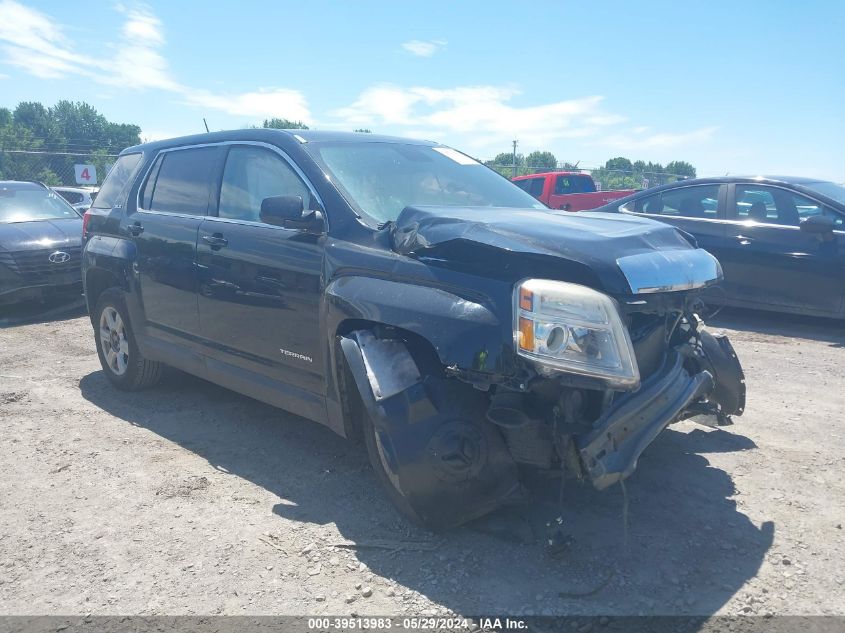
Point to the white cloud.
(485, 119)
(424, 48)
(32, 41)
(483, 113)
(35, 42)
(267, 102)
(638, 139)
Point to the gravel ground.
(190, 499)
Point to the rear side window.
(701, 201)
(183, 183)
(112, 193)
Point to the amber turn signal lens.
(526, 333)
(526, 299)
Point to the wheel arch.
(97, 281)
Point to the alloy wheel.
(113, 341)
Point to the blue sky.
(733, 87)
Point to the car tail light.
(86, 218)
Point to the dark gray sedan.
(780, 240)
(40, 243)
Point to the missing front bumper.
(609, 453)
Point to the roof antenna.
(205, 123)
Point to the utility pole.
(513, 172)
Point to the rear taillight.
(86, 218)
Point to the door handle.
(744, 240)
(135, 229)
(216, 240)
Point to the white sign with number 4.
(85, 174)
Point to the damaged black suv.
(401, 292)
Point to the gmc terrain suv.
(400, 291)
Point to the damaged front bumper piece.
(437, 447)
(609, 453)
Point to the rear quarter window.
(113, 191)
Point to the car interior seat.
(788, 216)
(655, 205)
(758, 212)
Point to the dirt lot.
(191, 499)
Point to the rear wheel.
(122, 361)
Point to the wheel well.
(421, 350)
(97, 281)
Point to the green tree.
(48, 177)
(65, 133)
(681, 168)
(541, 160)
(283, 124)
(619, 163)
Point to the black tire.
(442, 492)
(376, 460)
(122, 361)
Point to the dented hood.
(628, 254)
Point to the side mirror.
(289, 212)
(818, 224)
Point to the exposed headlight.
(573, 328)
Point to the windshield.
(22, 202)
(829, 189)
(381, 179)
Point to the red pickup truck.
(567, 190)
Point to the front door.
(260, 285)
(172, 204)
(770, 262)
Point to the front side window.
(564, 184)
(121, 174)
(252, 174)
(183, 184)
(686, 202)
(573, 184)
(806, 208)
(775, 205)
(756, 203)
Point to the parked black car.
(40, 243)
(401, 291)
(780, 240)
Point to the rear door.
(260, 285)
(696, 209)
(770, 262)
(171, 206)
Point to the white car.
(80, 198)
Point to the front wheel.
(439, 461)
(122, 361)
